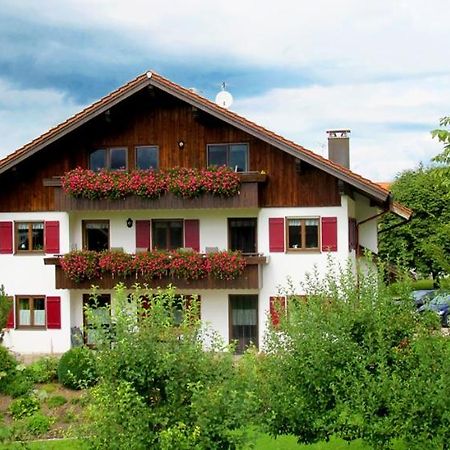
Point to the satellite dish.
(224, 98)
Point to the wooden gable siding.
(153, 118)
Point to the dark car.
(440, 304)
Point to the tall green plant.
(348, 359)
(158, 386)
(5, 308)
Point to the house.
(292, 207)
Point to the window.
(147, 157)
(101, 315)
(167, 234)
(303, 233)
(29, 236)
(231, 155)
(95, 235)
(242, 234)
(108, 158)
(30, 312)
(243, 320)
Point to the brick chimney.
(339, 147)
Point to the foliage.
(424, 242)
(182, 182)
(8, 366)
(38, 424)
(5, 308)
(354, 363)
(159, 388)
(43, 370)
(56, 401)
(81, 265)
(23, 407)
(443, 136)
(76, 369)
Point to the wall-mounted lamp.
(181, 145)
(129, 222)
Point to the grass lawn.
(65, 444)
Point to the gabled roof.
(150, 78)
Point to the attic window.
(234, 156)
(108, 158)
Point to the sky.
(297, 67)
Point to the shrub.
(23, 407)
(8, 366)
(19, 385)
(43, 370)
(76, 369)
(56, 401)
(38, 424)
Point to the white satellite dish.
(224, 98)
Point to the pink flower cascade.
(85, 265)
(182, 182)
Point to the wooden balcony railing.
(247, 198)
(251, 278)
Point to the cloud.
(390, 121)
(27, 113)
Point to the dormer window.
(108, 159)
(234, 156)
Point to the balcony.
(251, 278)
(248, 197)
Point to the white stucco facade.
(27, 274)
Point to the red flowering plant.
(182, 182)
(115, 262)
(225, 265)
(221, 181)
(155, 264)
(80, 265)
(187, 265)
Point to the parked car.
(423, 295)
(439, 303)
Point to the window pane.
(217, 155)
(38, 236)
(312, 233)
(118, 159)
(97, 159)
(243, 235)
(244, 320)
(97, 236)
(39, 311)
(22, 236)
(238, 157)
(295, 232)
(159, 235)
(147, 157)
(176, 234)
(24, 311)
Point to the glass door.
(243, 320)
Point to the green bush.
(56, 401)
(19, 385)
(44, 370)
(23, 407)
(76, 368)
(38, 424)
(8, 366)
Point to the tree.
(424, 242)
(5, 308)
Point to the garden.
(342, 368)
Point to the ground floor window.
(30, 312)
(101, 310)
(243, 320)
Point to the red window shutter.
(192, 234)
(54, 312)
(6, 237)
(10, 321)
(276, 234)
(329, 234)
(352, 234)
(143, 234)
(51, 232)
(277, 308)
